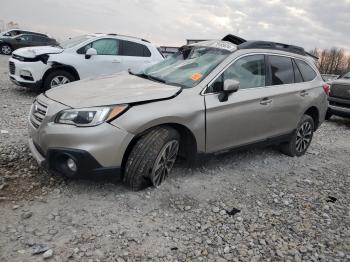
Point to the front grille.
(341, 91)
(12, 68)
(37, 113)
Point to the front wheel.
(152, 158)
(301, 138)
(57, 78)
(6, 49)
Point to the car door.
(107, 61)
(243, 118)
(23, 40)
(40, 41)
(136, 56)
(285, 89)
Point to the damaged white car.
(45, 67)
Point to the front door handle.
(304, 93)
(115, 61)
(265, 101)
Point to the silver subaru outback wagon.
(210, 96)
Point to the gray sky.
(309, 23)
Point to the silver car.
(208, 97)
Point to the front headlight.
(89, 116)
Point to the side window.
(307, 72)
(13, 33)
(103, 47)
(41, 39)
(281, 70)
(134, 49)
(25, 37)
(249, 71)
(297, 75)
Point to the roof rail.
(275, 46)
(144, 40)
(244, 44)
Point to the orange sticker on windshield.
(196, 76)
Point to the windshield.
(188, 67)
(74, 41)
(347, 75)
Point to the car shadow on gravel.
(340, 121)
(203, 163)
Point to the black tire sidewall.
(53, 74)
(172, 135)
(305, 118)
(8, 46)
(137, 174)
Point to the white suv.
(78, 58)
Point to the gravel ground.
(255, 205)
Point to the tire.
(6, 49)
(63, 75)
(305, 129)
(328, 115)
(141, 169)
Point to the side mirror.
(90, 52)
(230, 86)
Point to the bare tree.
(332, 61)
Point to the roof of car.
(119, 35)
(244, 44)
(25, 32)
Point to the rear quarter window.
(134, 49)
(307, 72)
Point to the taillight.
(326, 89)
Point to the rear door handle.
(304, 93)
(115, 61)
(265, 101)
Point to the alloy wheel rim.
(164, 162)
(59, 80)
(304, 135)
(6, 50)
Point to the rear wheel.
(57, 78)
(6, 49)
(152, 158)
(301, 139)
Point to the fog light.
(71, 165)
(25, 73)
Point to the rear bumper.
(340, 111)
(56, 161)
(338, 106)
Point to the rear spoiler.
(311, 55)
(234, 39)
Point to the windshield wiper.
(143, 75)
(156, 79)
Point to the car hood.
(31, 52)
(121, 88)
